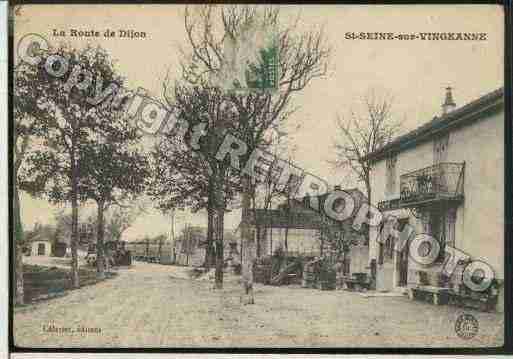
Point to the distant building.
(445, 178)
(40, 239)
(87, 231)
(190, 246)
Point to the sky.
(414, 72)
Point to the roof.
(355, 193)
(462, 116)
(45, 233)
(277, 218)
(40, 237)
(301, 215)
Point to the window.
(391, 175)
(440, 148)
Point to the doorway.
(402, 258)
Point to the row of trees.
(83, 152)
(198, 178)
(80, 152)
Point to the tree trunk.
(271, 236)
(287, 238)
(219, 234)
(248, 245)
(18, 249)
(74, 220)
(20, 292)
(100, 253)
(210, 255)
(18, 237)
(218, 221)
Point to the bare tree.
(213, 33)
(363, 132)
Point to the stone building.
(445, 178)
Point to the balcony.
(437, 183)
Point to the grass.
(41, 282)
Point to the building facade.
(446, 179)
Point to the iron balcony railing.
(441, 181)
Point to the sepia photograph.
(257, 176)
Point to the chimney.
(449, 104)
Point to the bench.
(439, 295)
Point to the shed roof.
(301, 216)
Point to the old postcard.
(234, 176)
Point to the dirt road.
(151, 305)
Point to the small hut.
(40, 240)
